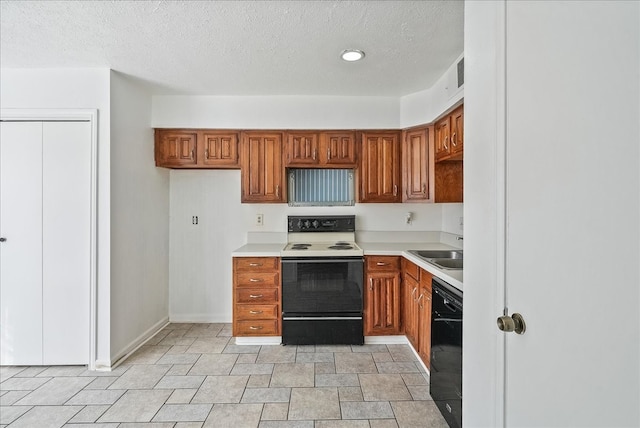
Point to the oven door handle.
(332, 260)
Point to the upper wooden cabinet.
(331, 149)
(202, 148)
(262, 169)
(449, 136)
(417, 170)
(379, 176)
(176, 148)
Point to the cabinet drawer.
(382, 263)
(255, 264)
(256, 312)
(411, 269)
(257, 279)
(257, 328)
(257, 295)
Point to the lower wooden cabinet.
(416, 309)
(256, 296)
(382, 296)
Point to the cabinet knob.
(328, 153)
(424, 188)
(3, 239)
(453, 139)
(395, 190)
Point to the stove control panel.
(345, 223)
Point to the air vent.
(461, 72)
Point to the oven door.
(327, 286)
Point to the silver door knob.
(514, 323)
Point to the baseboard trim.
(132, 347)
(267, 340)
(385, 340)
(199, 318)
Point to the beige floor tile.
(277, 354)
(208, 345)
(136, 406)
(355, 363)
(57, 391)
(418, 413)
(350, 393)
(89, 414)
(46, 417)
(214, 364)
(342, 379)
(234, 415)
(182, 396)
(366, 410)
(343, 424)
(176, 382)
(314, 403)
(182, 412)
(383, 387)
(266, 395)
(221, 389)
(292, 375)
(275, 411)
(141, 377)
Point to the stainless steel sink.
(437, 254)
(443, 259)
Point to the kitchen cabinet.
(196, 148)
(262, 170)
(416, 310)
(379, 173)
(417, 164)
(410, 291)
(424, 317)
(449, 136)
(382, 296)
(256, 294)
(330, 149)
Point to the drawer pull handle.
(253, 327)
(255, 264)
(256, 280)
(256, 296)
(381, 264)
(255, 312)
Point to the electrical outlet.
(259, 220)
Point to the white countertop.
(453, 277)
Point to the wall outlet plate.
(259, 220)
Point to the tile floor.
(193, 375)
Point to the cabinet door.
(410, 309)
(380, 168)
(219, 149)
(457, 131)
(424, 317)
(442, 129)
(262, 169)
(175, 149)
(416, 160)
(382, 304)
(339, 148)
(302, 148)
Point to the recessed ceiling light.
(352, 55)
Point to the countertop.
(453, 277)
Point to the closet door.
(21, 251)
(66, 240)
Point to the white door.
(45, 259)
(66, 240)
(571, 198)
(21, 251)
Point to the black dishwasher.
(446, 351)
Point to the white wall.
(276, 112)
(426, 106)
(139, 220)
(75, 89)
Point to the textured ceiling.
(241, 47)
